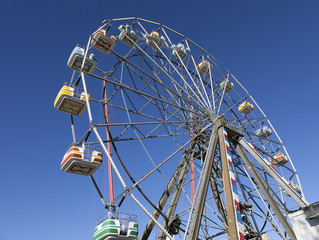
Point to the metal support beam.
(218, 198)
(219, 202)
(281, 181)
(231, 214)
(180, 171)
(177, 193)
(201, 195)
(265, 191)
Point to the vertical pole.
(106, 115)
(202, 192)
(231, 214)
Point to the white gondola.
(67, 102)
(75, 162)
(116, 227)
(279, 159)
(229, 86)
(204, 67)
(76, 59)
(127, 35)
(103, 43)
(179, 50)
(245, 107)
(264, 131)
(154, 40)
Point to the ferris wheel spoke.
(201, 82)
(212, 94)
(174, 123)
(146, 151)
(172, 79)
(161, 110)
(170, 156)
(178, 98)
(183, 78)
(167, 127)
(162, 70)
(155, 88)
(166, 36)
(160, 107)
(189, 75)
(170, 91)
(135, 138)
(174, 97)
(122, 85)
(137, 113)
(147, 135)
(222, 97)
(112, 71)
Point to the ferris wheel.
(183, 138)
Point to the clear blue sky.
(270, 46)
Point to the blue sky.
(271, 47)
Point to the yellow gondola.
(154, 40)
(245, 107)
(67, 102)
